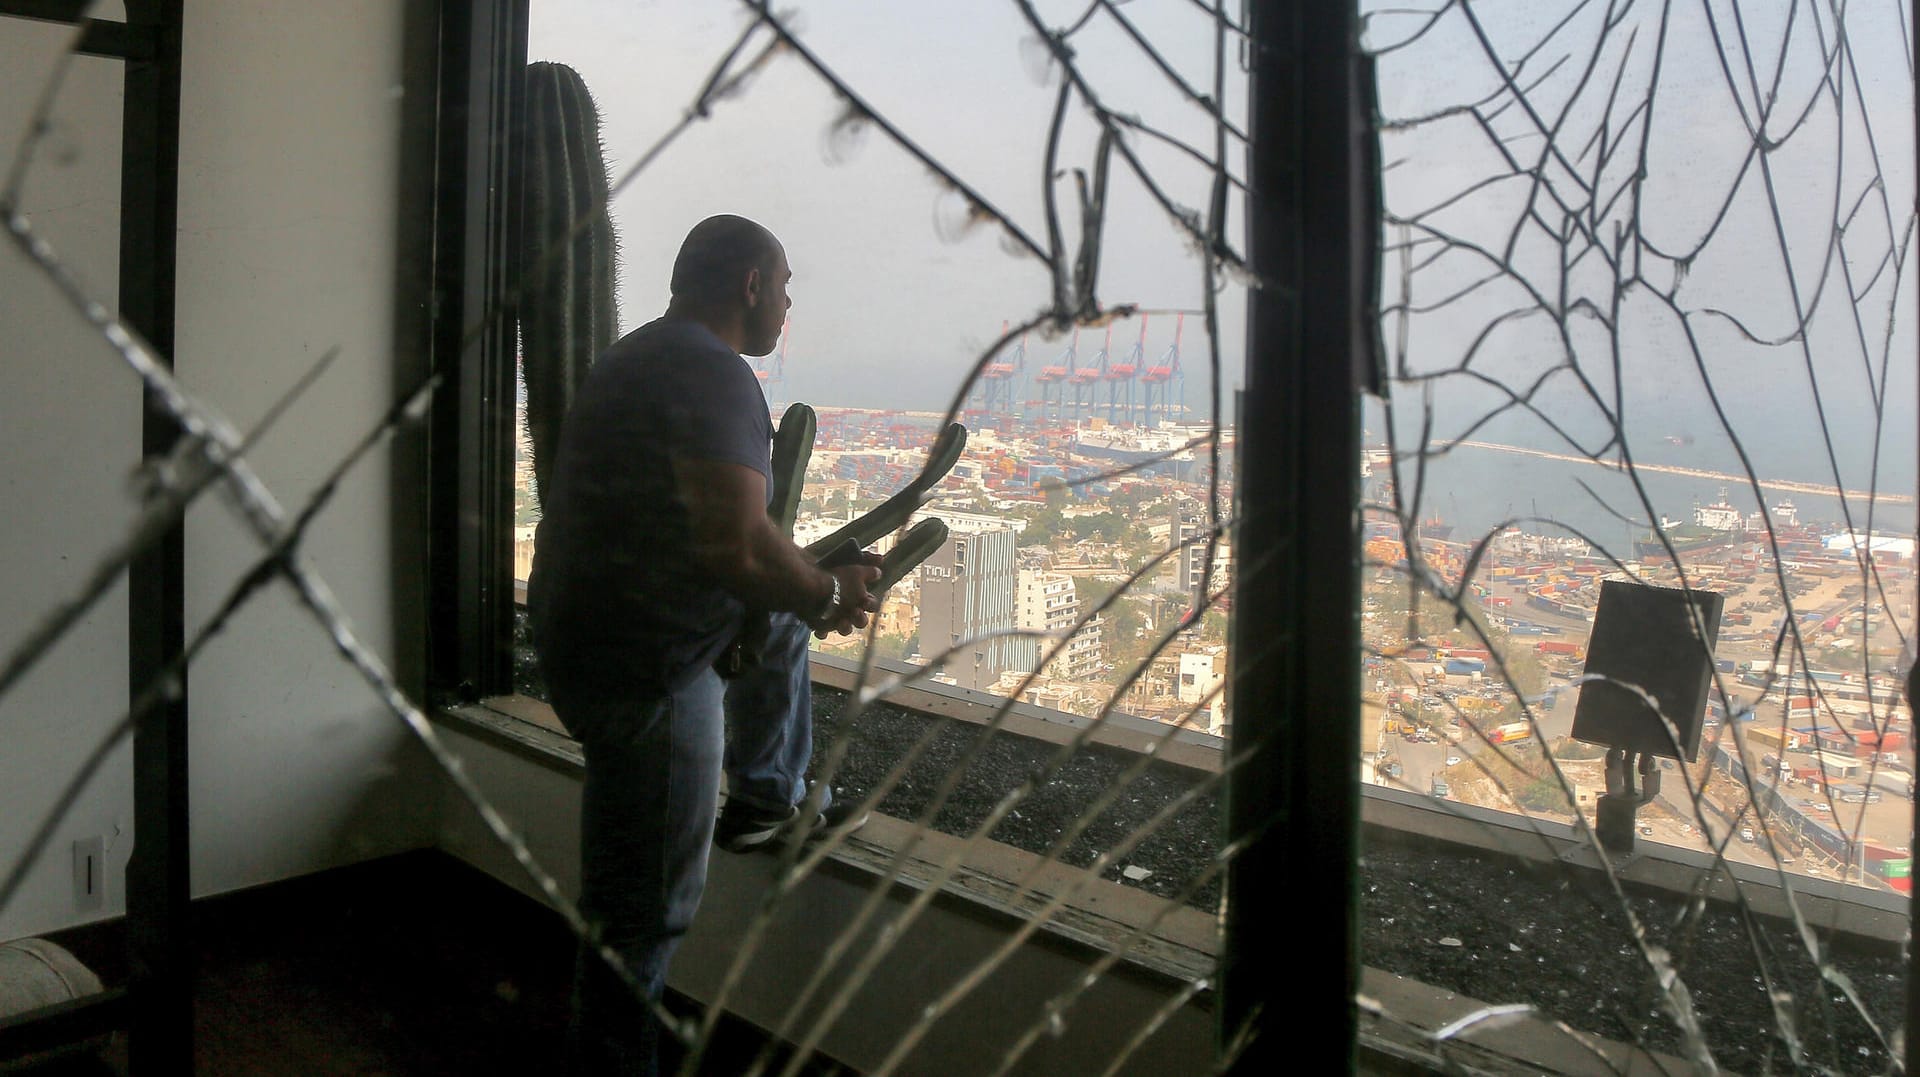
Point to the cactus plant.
(918, 544)
(792, 448)
(895, 510)
(566, 253)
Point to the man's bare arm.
(736, 541)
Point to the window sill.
(1183, 944)
(529, 725)
(1100, 915)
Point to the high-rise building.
(1047, 602)
(1192, 578)
(967, 589)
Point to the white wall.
(289, 180)
(69, 440)
(289, 211)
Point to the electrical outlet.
(89, 874)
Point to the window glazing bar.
(1290, 965)
(99, 37)
(159, 928)
(483, 57)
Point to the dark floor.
(412, 965)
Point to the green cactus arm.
(890, 514)
(918, 544)
(792, 448)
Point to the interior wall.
(69, 441)
(290, 207)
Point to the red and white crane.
(1088, 376)
(1120, 377)
(1164, 381)
(1053, 379)
(771, 370)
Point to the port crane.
(1053, 380)
(1165, 380)
(992, 395)
(771, 370)
(1121, 376)
(1087, 378)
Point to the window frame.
(483, 47)
(1312, 209)
(478, 115)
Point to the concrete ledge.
(1187, 748)
(1404, 815)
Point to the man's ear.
(752, 294)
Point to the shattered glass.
(1649, 309)
(1649, 317)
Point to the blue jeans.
(653, 767)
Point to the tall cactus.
(566, 254)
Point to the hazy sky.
(1694, 214)
(890, 304)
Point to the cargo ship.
(1164, 450)
(1712, 527)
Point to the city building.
(1155, 693)
(966, 590)
(1047, 602)
(1202, 674)
(1193, 561)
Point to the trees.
(1543, 795)
(1105, 526)
(894, 646)
(1043, 527)
(1125, 621)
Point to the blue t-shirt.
(618, 603)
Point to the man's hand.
(856, 604)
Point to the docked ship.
(1131, 445)
(1712, 527)
(1166, 446)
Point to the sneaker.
(743, 827)
(838, 819)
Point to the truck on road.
(1510, 733)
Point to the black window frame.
(479, 110)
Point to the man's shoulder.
(669, 340)
(673, 354)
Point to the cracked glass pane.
(1056, 267)
(1647, 303)
(1030, 271)
(1649, 306)
(68, 614)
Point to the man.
(654, 541)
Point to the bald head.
(715, 257)
(731, 274)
